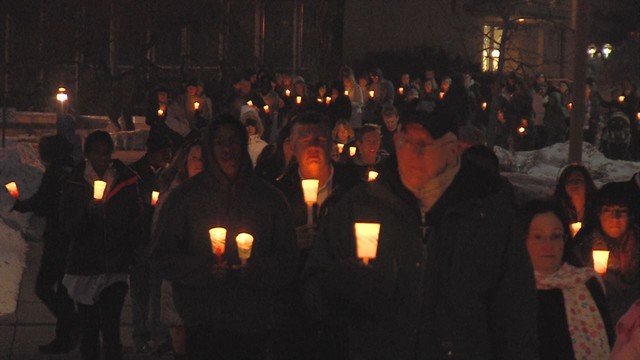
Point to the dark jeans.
(54, 295)
(103, 318)
(145, 296)
(205, 342)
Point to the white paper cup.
(244, 242)
(367, 240)
(575, 227)
(218, 237)
(12, 188)
(600, 261)
(154, 197)
(98, 189)
(310, 189)
(352, 150)
(372, 175)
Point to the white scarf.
(586, 328)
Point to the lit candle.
(570, 106)
(352, 150)
(266, 109)
(298, 99)
(340, 148)
(154, 198)
(373, 175)
(401, 90)
(196, 105)
(346, 93)
(600, 261)
(441, 94)
(250, 103)
(522, 130)
(575, 227)
(367, 240)
(287, 92)
(160, 112)
(12, 188)
(621, 98)
(244, 242)
(372, 93)
(98, 189)
(484, 105)
(328, 100)
(319, 100)
(638, 116)
(310, 191)
(218, 237)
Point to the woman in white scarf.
(573, 320)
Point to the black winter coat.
(102, 236)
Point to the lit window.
(491, 48)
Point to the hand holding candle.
(12, 188)
(218, 236)
(99, 187)
(245, 243)
(600, 261)
(310, 190)
(367, 240)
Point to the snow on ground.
(18, 162)
(533, 173)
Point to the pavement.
(32, 324)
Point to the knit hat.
(437, 123)
(248, 112)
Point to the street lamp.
(62, 97)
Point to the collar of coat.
(124, 177)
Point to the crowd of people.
(226, 255)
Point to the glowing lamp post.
(62, 97)
(575, 227)
(244, 241)
(154, 198)
(218, 237)
(373, 175)
(12, 188)
(367, 240)
(600, 261)
(310, 189)
(99, 187)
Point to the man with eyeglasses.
(448, 279)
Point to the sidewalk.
(32, 325)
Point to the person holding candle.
(311, 142)
(446, 250)
(573, 317)
(344, 134)
(148, 333)
(369, 156)
(103, 235)
(354, 92)
(55, 153)
(339, 106)
(383, 94)
(186, 164)
(225, 306)
(391, 119)
(252, 122)
(575, 192)
(615, 230)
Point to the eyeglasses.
(616, 213)
(553, 238)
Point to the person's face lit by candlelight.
(614, 220)
(575, 187)
(545, 242)
(391, 122)
(192, 90)
(227, 149)
(369, 145)
(311, 146)
(99, 155)
(194, 161)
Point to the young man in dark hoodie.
(225, 303)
